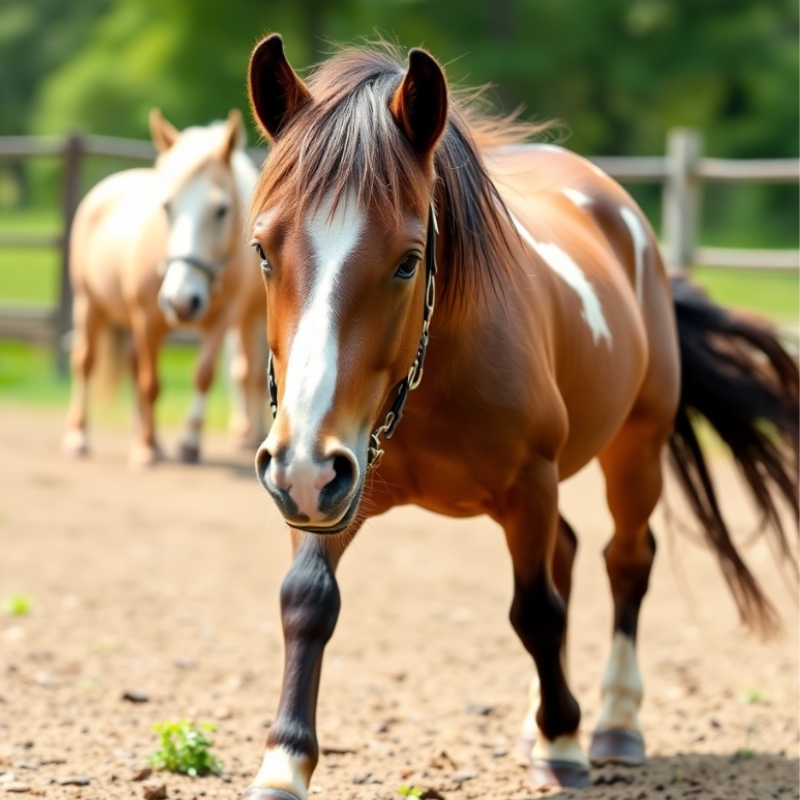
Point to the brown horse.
(152, 249)
(553, 341)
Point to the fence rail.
(681, 172)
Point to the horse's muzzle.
(318, 494)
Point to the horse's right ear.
(164, 133)
(275, 90)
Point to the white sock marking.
(562, 748)
(621, 688)
(563, 265)
(282, 770)
(640, 243)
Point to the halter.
(211, 269)
(414, 377)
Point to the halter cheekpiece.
(412, 380)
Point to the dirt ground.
(166, 582)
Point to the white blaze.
(565, 267)
(640, 242)
(314, 353)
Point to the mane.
(190, 154)
(345, 141)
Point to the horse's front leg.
(149, 331)
(189, 449)
(310, 605)
(538, 615)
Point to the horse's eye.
(265, 265)
(408, 267)
(221, 212)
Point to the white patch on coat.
(640, 243)
(621, 688)
(284, 771)
(565, 267)
(562, 748)
(578, 198)
(194, 424)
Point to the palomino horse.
(156, 248)
(553, 341)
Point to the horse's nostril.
(343, 480)
(263, 458)
(194, 304)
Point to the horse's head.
(341, 221)
(201, 205)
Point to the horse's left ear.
(234, 134)
(274, 88)
(164, 133)
(419, 104)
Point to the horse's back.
(109, 239)
(607, 300)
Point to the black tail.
(738, 376)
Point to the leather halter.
(211, 269)
(412, 380)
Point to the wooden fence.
(681, 172)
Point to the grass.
(27, 377)
(185, 749)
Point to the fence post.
(681, 196)
(71, 189)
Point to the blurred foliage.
(617, 73)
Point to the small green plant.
(751, 695)
(746, 751)
(185, 749)
(18, 605)
(409, 791)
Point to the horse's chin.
(337, 528)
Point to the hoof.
(75, 444)
(188, 453)
(524, 748)
(558, 774)
(617, 746)
(262, 793)
(144, 455)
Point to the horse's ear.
(419, 104)
(164, 133)
(234, 134)
(275, 90)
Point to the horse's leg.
(189, 450)
(538, 615)
(563, 559)
(87, 324)
(632, 468)
(148, 333)
(310, 604)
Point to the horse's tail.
(111, 362)
(740, 379)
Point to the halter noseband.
(211, 269)
(412, 380)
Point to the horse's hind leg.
(632, 468)
(563, 559)
(87, 324)
(538, 615)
